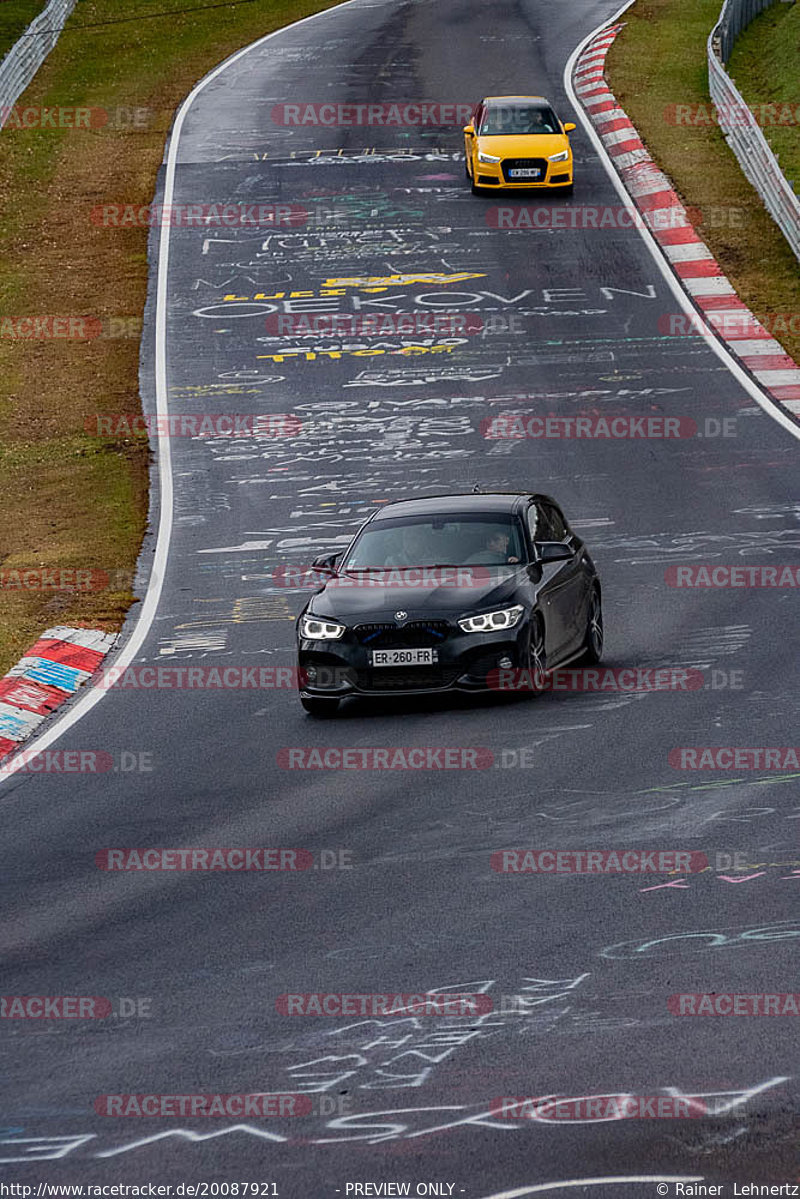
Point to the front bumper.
(465, 663)
(559, 175)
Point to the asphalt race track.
(405, 900)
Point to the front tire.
(322, 709)
(537, 658)
(593, 640)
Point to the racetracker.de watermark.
(50, 328)
(599, 678)
(586, 1108)
(738, 115)
(414, 757)
(580, 216)
(425, 577)
(119, 118)
(50, 578)
(73, 761)
(201, 678)
(716, 216)
(587, 426)
(54, 1007)
(253, 858)
(732, 324)
(404, 114)
(735, 757)
(194, 424)
(261, 1104)
(198, 216)
(718, 1003)
(375, 324)
(592, 861)
(71, 327)
(55, 116)
(442, 1003)
(732, 576)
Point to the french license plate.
(526, 173)
(404, 657)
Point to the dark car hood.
(352, 599)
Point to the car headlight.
(562, 157)
(490, 622)
(486, 157)
(314, 629)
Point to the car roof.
(473, 501)
(494, 99)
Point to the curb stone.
(693, 263)
(51, 672)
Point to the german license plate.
(403, 657)
(526, 173)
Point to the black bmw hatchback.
(473, 592)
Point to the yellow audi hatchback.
(516, 142)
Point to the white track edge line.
(152, 597)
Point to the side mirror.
(554, 551)
(327, 562)
(469, 128)
(570, 125)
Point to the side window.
(556, 523)
(568, 531)
(533, 523)
(477, 117)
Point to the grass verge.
(15, 17)
(67, 499)
(764, 65)
(658, 62)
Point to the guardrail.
(736, 15)
(28, 53)
(740, 127)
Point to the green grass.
(766, 67)
(67, 499)
(15, 17)
(658, 61)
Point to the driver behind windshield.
(504, 120)
(494, 550)
(413, 549)
(488, 543)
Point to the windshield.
(463, 540)
(504, 119)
